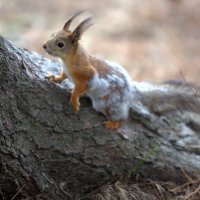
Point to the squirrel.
(108, 84)
(105, 82)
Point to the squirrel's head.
(65, 41)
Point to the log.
(49, 152)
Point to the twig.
(184, 185)
(192, 88)
(186, 175)
(64, 191)
(50, 181)
(18, 191)
(159, 188)
(192, 193)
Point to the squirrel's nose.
(44, 46)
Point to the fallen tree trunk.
(49, 152)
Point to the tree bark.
(50, 152)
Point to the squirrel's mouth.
(50, 52)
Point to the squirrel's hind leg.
(112, 124)
(115, 113)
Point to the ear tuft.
(68, 23)
(81, 28)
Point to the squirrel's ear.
(81, 28)
(67, 23)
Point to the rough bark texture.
(57, 154)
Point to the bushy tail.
(166, 97)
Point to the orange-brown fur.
(81, 71)
(80, 66)
(110, 124)
(59, 78)
(100, 65)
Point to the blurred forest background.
(154, 40)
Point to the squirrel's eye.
(60, 44)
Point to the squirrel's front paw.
(53, 78)
(50, 77)
(75, 105)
